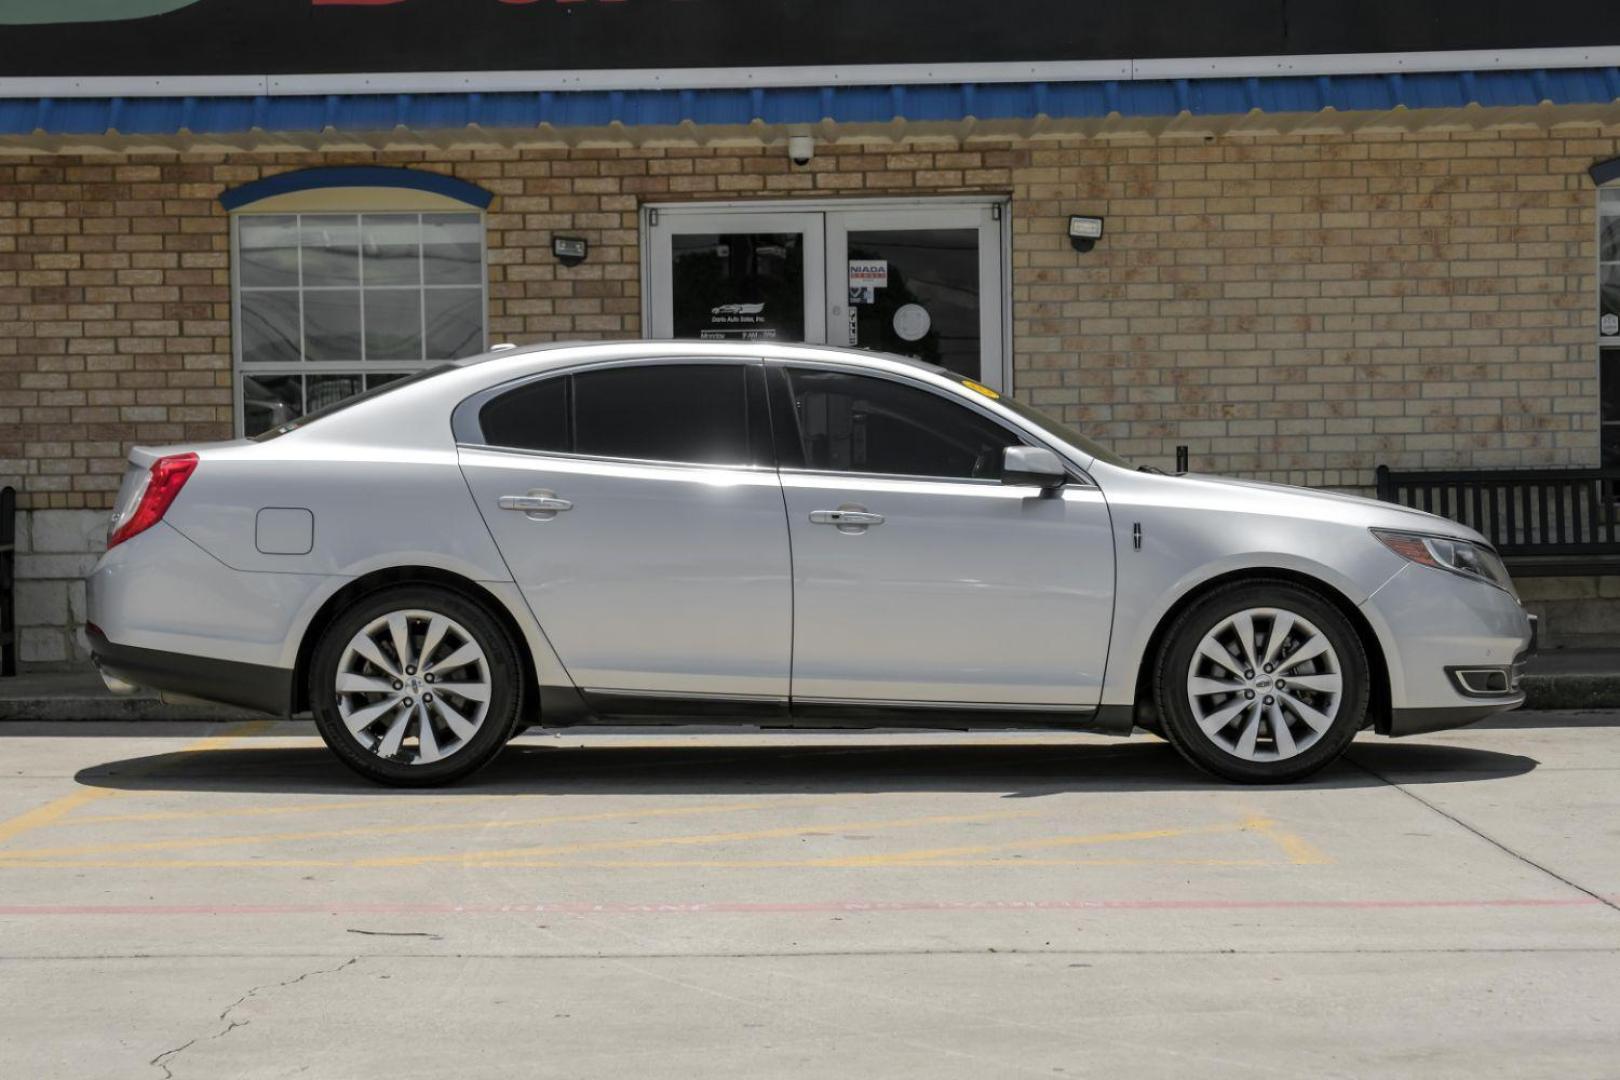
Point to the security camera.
(801, 148)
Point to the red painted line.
(787, 908)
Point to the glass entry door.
(925, 279)
(923, 283)
(721, 276)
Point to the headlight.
(1448, 553)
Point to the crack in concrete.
(1489, 839)
(162, 1060)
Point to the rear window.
(339, 406)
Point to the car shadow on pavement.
(1025, 770)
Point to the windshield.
(339, 406)
(1063, 432)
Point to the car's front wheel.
(1262, 682)
(415, 686)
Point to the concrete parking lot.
(209, 900)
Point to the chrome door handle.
(538, 505)
(845, 519)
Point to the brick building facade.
(1300, 296)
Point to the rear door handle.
(538, 505)
(845, 519)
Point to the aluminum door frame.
(985, 217)
(663, 224)
(659, 221)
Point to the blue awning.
(1206, 97)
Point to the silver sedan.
(775, 536)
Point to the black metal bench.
(1542, 521)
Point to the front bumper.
(1432, 625)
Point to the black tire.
(1174, 669)
(505, 687)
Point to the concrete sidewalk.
(1566, 679)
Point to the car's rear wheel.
(415, 686)
(1262, 682)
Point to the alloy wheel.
(413, 686)
(1265, 684)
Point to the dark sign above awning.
(67, 38)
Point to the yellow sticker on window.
(981, 388)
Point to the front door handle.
(537, 505)
(846, 520)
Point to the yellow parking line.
(191, 842)
(1039, 843)
(55, 809)
(844, 864)
(53, 857)
(1300, 851)
(618, 864)
(702, 838)
(279, 811)
(45, 815)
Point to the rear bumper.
(229, 682)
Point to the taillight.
(163, 482)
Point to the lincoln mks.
(776, 536)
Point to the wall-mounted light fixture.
(1084, 232)
(1603, 172)
(570, 250)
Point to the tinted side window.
(663, 412)
(532, 417)
(856, 423)
(697, 413)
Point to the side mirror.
(1033, 465)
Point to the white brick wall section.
(55, 550)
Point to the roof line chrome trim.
(800, 76)
(657, 462)
(908, 478)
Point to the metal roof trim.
(933, 102)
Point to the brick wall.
(1300, 307)
(1297, 308)
(1304, 309)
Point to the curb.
(1550, 692)
(106, 707)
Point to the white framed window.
(327, 304)
(1609, 324)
